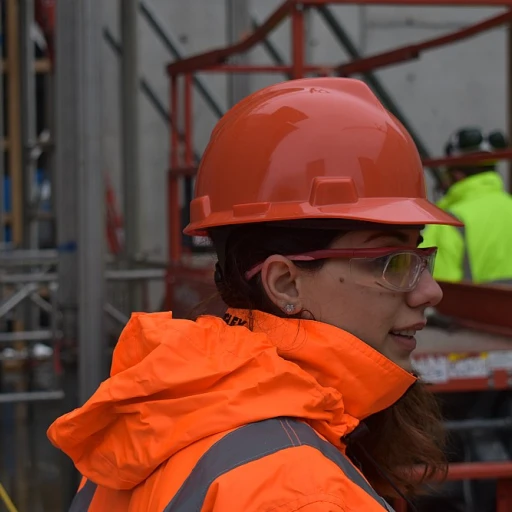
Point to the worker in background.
(314, 198)
(480, 251)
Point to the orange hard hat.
(313, 148)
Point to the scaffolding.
(63, 299)
(189, 275)
(27, 309)
(72, 32)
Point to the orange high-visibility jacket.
(185, 398)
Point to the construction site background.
(115, 89)
(456, 85)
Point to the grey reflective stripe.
(253, 442)
(508, 282)
(467, 275)
(466, 265)
(83, 498)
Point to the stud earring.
(289, 309)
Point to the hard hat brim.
(401, 211)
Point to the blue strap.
(467, 274)
(83, 498)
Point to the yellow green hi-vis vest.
(481, 252)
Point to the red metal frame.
(295, 8)
(413, 51)
(501, 471)
(214, 61)
(485, 308)
(424, 3)
(45, 15)
(502, 154)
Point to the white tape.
(432, 369)
(500, 360)
(472, 367)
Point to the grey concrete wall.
(461, 84)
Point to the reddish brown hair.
(407, 441)
(406, 435)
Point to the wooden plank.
(15, 170)
(15, 165)
(6, 218)
(41, 66)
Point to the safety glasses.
(394, 268)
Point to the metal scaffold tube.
(66, 164)
(28, 120)
(238, 22)
(13, 90)
(79, 201)
(130, 137)
(91, 206)
(130, 124)
(2, 144)
(80, 185)
(66, 197)
(34, 396)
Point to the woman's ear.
(279, 278)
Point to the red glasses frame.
(324, 254)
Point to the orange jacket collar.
(365, 380)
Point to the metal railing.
(31, 278)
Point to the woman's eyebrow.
(400, 235)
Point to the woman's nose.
(427, 292)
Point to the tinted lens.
(402, 270)
(431, 261)
(398, 271)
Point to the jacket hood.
(174, 382)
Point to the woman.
(314, 198)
